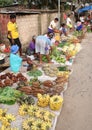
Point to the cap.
(14, 49)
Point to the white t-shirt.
(68, 21)
(82, 19)
(52, 24)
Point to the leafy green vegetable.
(9, 95)
(62, 68)
(35, 73)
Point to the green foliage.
(9, 95)
(5, 2)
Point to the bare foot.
(50, 62)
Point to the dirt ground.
(77, 109)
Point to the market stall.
(33, 100)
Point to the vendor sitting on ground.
(43, 47)
(31, 48)
(15, 59)
(79, 26)
(63, 29)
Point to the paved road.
(77, 110)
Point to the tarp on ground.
(85, 9)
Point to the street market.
(46, 85)
(33, 81)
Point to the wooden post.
(39, 24)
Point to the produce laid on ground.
(9, 95)
(9, 79)
(55, 102)
(6, 120)
(39, 119)
(38, 100)
(35, 73)
(57, 56)
(50, 70)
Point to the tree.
(5, 3)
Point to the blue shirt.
(15, 62)
(45, 39)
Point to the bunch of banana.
(6, 119)
(64, 73)
(43, 100)
(5, 122)
(8, 128)
(28, 123)
(10, 117)
(37, 125)
(48, 116)
(56, 102)
(23, 109)
(32, 110)
(46, 125)
(40, 114)
(2, 113)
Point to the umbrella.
(85, 9)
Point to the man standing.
(43, 47)
(13, 34)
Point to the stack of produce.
(56, 102)
(38, 119)
(9, 95)
(73, 39)
(32, 88)
(35, 73)
(29, 100)
(56, 55)
(43, 100)
(9, 79)
(6, 120)
(50, 70)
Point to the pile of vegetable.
(35, 73)
(9, 95)
(29, 100)
(50, 70)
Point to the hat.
(14, 49)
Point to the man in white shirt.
(53, 25)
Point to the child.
(63, 29)
(15, 59)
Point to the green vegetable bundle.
(35, 73)
(9, 95)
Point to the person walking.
(13, 34)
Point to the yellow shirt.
(12, 27)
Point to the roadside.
(77, 109)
